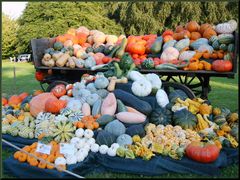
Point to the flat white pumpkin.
(154, 80)
(141, 88)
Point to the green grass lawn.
(224, 94)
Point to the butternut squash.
(130, 117)
(109, 105)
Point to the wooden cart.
(197, 81)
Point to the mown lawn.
(224, 94)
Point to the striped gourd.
(215, 45)
(76, 116)
(231, 48)
(223, 47)
(66, 111)
(225, 38)
(213, 39)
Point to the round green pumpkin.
(185, 119)
(147, 64)
(161, 116)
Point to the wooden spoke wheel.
(198, 84)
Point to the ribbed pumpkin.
(54, 106)
(203, 27)
(161, 116)
(37, 104)
(179, 29)
(219, 119)
(208, 33)
(195, 35)
(14, 100)
(192, 26)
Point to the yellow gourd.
(205, 109)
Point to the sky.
(13, 9)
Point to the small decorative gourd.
(74, 105)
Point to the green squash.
(185, 119)
(215, 45)
(231, 48)
(226, 143)
(108, 50)
(223, 47)
(177, 94)
(49, 51)
(161, 116)
(157, 45)
(104, 137)
(25, 107)
(225, 112)
(219, 119)
(212, 39)
(89, 49)
(99, 49)
(57, 46)
(234, 131)
(147, 64)
(105, 119)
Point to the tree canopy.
(9, 41)
(41, 19)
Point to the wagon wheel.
(198, 84)
(53, 84)
(168, 86)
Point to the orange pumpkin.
(82, 38)
(208, 33)
(54, 105)
(192, 26)
(61, 38)
(203, 27)
(195, 35)
(167, 38)
(4, 101)
(23, 95)
(179, 29)
(14, 100)
(167, 32)
(37, 103)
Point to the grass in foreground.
(224, 94)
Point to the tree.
(44, 20)
(9, 40)
(154, 17)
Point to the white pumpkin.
(111, 151)
(74, 105)
(80, 156)
(169, 54)
(71, 160)
(111, 39)
(79, 132)
(90, 141)
(186, 55)
(75, 141)
(154, 80)
(103, 149)
(115, 146)
(83, 151)
(135, 75)
(81, 143)
(94, 147)
(227, 27)
(88, 133)
(141, 88)
(162, 98)
(60, 161)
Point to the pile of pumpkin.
(189, 47)
(69, 114)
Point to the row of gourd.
(93, 116)
(189, 47)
